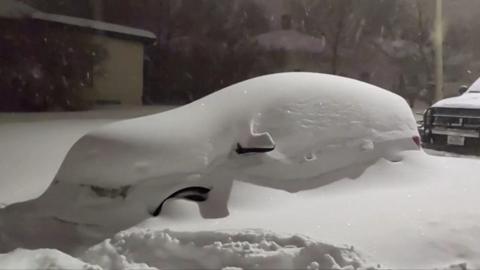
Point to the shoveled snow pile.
(150, 249)
(249, 249)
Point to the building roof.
(291, 40)
(14, 9)
(94, 25)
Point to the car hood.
(35, 152)
(465, 101)
(33, 146)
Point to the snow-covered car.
(289, 131)
(454, 121)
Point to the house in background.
(122, 71)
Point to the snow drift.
(249, 249)
(150, 249)
(290, 131)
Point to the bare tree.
(424, 19)
(330, 18)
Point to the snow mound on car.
(249, 249)
(315, 120)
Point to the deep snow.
(406, 214)
(319, 123)
(317, 129)
(422, 212)
(407, 211)
(33, 146)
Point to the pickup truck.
(454, 122)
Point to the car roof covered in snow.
(305, 114)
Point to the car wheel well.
(195, 193)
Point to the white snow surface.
(468, 100)
(33, 146)
(291, 40)
(42, 259)
(166, 249)
(31, 161)
(404, 209)
(247, 249)
(475, 86)
(418, 213)
(319, 123)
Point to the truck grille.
(456, 118)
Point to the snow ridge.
(249, 249)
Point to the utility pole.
(438, 47)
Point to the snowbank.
(154, 249)
(408, 214)
(249, 249)
(419, 213)
(42, 259)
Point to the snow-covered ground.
(421, 212)
(450, 154)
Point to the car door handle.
(246, 150)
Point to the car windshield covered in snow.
(239, 134)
